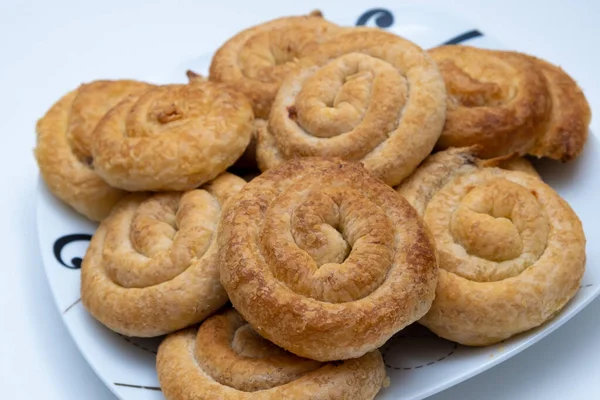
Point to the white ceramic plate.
(419, 364)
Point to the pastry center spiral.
(268, 56)
(92, 102)
(338, 96)
(332, 244)
(233, 354)
(160, 240)
(488, 230)
(168, 111)
(467, 91)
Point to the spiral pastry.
(64, 141)
(174, 137)
(511, 251)
(151, 267)
(365, 95)
(226, 359)
(256, 60)
(325, 260)
(567, 127)
(509, 102)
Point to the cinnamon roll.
(64, 145)
(325, 260)
(151, 267)
(226, 359)
(173, 137)
(366, 95)
(511, 250)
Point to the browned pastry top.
(256, 60)
(325, 260)
(511, 250)
(509, 102)
(152, 267)
(64, 145)
(226, 359)
(357, 99)
(174, 137)
(496, 99)
(567, 129)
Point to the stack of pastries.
(391, 190)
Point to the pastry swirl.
(226, 359)
(325, 260)
(508, 102)
(511, 250)
(64, 141)
(357, 99)
(174, 137)
(151, 267)
(567, 127)
(256, 60)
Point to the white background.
(48, 47)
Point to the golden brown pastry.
(513, 164)
(174, 137)
(151, 267)
(569, 118)
(325, 260)
(64, 141)
(509, 102)
(226, 359)
(511, 250)
(357, 99)
(256, 60)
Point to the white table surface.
(48, 47)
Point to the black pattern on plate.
(139, 343)
(137, 386)
(60, 244)
(72, 305)
(463, 37)
(383, 18)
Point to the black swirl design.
(463, 37)
(383, 18)
(60, 244)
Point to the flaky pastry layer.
(226, 359)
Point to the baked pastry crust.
(64, 139)
(325, 260)
(511, 250)
(151, 267)
(225, 359)
(174, 137)
(357, 99)
(496, 99)
(256, 60)
(567, 127)
(509, 102)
